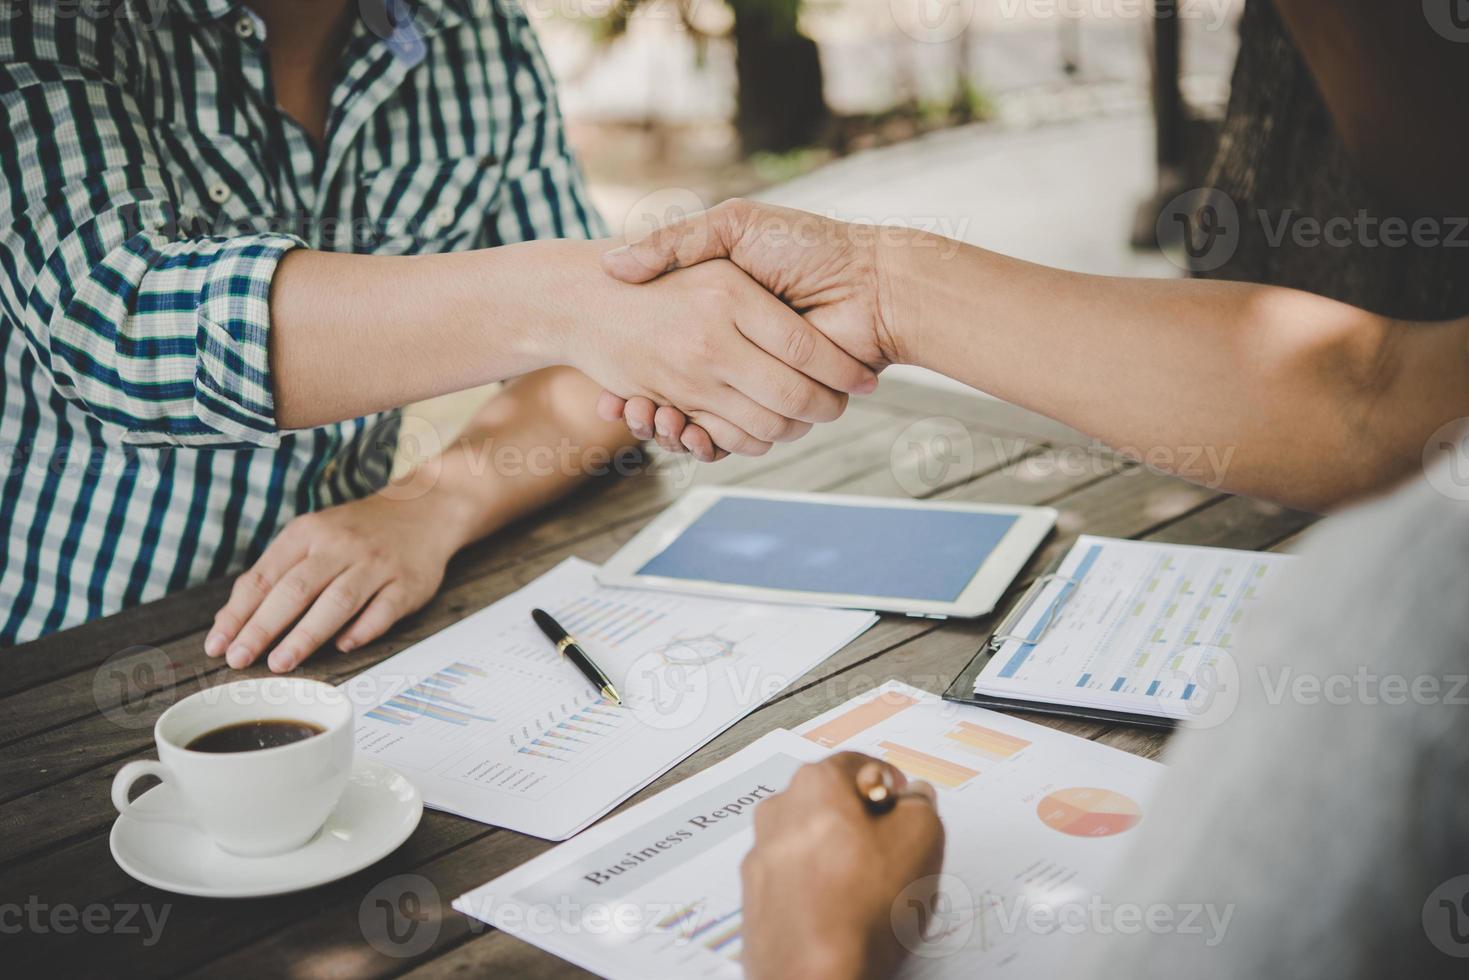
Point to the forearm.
(1270, 392)
(528, 445)
(354, 334)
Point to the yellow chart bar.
(929, 767)
(986, 741)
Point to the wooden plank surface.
(74, 706)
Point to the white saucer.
(377, 812)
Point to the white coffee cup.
(253, 803)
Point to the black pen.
(566, 645)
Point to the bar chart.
(434, 698)
(599, 619)
(720, 934)
(926, 766)
(987, 743)
(855, 721)
(579, 731)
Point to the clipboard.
(961, 691)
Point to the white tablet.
(918, 557)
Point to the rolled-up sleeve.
(143, 327)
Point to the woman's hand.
(349, 572)
(821, 881)
(828, 271)
(717, 345)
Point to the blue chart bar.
(1074, 579)
(432, 698)
(1188, 691)
(1153, 688)
(1084, 679)
(1117, 684)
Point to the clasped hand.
(735, 360)
(824, 272)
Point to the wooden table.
(75, 706)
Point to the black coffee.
(248, 736)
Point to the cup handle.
(122, 785)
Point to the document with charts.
(1133, 626)
(1037, 823)
(493, 724)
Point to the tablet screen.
(896, 552)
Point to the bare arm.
(354, 334)
(1265, 391)
(526, 447)
(1258, 390)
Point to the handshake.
(768, 318)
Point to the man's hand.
(821, 881)
(720, 348)
(354, 570)
(828, 271)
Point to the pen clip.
(1003, 634)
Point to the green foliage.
(777, 168)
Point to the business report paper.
(491, 723)
(1037, 823)
(1134, 626)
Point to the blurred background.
(1052, 130)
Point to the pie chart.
(1086, 811)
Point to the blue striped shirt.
(149, 186)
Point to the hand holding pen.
(880, 787)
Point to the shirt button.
(244, 27)
(219, 193)
(443, 218)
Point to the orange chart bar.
(926, 766)
(860, 718)
(985, 741)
